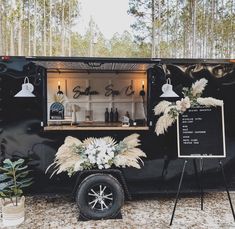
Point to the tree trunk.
(50, 29)
(222, 40)
(91, 30)
(153, 30)
(212, 29)
(44, 28)
(232, 43)
(62, 31)
(216, 36)
(29, 29)
(69, 29)
(1, 31)
(167, 22)
(159, 28)
(20, 29)
(176, 54)
(206, 43)
(6, 38)
(12, 46)
(35, 28)
(194, 27)
(201, 9)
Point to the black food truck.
(34, 127)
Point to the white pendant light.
(26, 90)
(167, 89)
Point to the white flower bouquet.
(97, 153)
(192, 98)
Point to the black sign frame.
(180, 146)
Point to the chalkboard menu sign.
(200, 133)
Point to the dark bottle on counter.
(127, 114)
(116, 116)
(111, 114)
(106, 115)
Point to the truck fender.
(114, 172)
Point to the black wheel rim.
(100, 197)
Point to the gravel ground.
(49, 212)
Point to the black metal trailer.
(23, 123)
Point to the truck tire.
(99, 196)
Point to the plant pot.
(13, 215)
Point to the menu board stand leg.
(226, 186)
(199, 178)
(196, 172)
(178, 191)
(201, 182)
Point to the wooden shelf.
(94, 126)
(59, 121)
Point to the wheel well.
(114, 172)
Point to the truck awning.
(94, 64)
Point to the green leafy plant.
(13, 178)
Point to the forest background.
(161, 28)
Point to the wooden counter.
(94, 126)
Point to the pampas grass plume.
(163, 123)
(161, 107)
(199, 86)
(132, 140)
(209, 101)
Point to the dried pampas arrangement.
(92, 153)
(192, 98)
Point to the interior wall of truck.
(89, 85)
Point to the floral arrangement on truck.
(192, 98)
(97, 153)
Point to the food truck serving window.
(96, 96)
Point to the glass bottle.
(127, 114)
(111, 114)
(106, 115)
(116, 116)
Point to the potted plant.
(13, 178)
